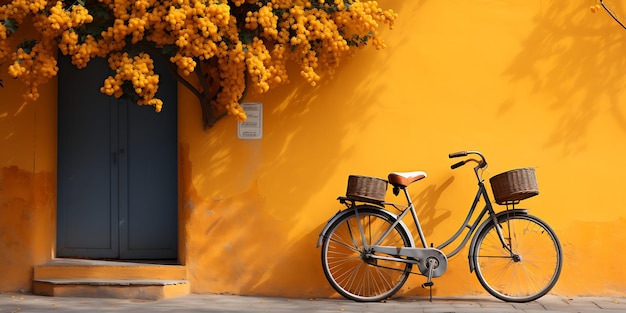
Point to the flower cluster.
(319, 34)
(19, 9)
(263, 19)
(4, 45)
(34, 65)
(596, 7)
(139, 72)
(34, 62)
(232, 44)
(231, 68)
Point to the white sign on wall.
(252, 128)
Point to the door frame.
(118, 188)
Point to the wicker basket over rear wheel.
(366, 189)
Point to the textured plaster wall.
(529, 83)
(27, 181)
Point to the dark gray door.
(117, 170)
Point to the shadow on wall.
(576, 58)
(302, 144)
(240, 241)
(27, 193)
(243, 238)
(16, 117)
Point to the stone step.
(110, 279)
(118, 289)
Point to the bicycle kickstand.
(429, 283)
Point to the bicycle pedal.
(429, 285)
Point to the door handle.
(115, 155)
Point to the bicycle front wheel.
(350, 269)
(532, 266)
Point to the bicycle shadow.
(282, 274)
(425, 204)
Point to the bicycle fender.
(489, 221)
(350, 210)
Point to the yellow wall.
(529, 83)
(28, 146)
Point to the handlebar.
(482, 163)
(457, 154)
(458, 164)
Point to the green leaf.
(246, 36)
(99, 11)
(93, 29)
(347, 4)
(27, 45)
(316, 4)
(10, 24)
(279, 12)
(169, 49)
(129, 92)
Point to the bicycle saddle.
(403, 179)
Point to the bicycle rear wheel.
(533, 267)
(345, 262)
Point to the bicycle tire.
(344, 260)
(522, 279)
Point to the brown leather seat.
(403, 179)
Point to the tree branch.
(202, 79)
(183, 81)
(612, 15)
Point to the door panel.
(85, 174)
(152, 174)
(117, 170)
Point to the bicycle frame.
(368, 252)
(420, 256)
(487, 209)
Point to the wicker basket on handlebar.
(514, 185)
(366, 189)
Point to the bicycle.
(368, 251)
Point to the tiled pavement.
(26, 303)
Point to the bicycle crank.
(423, 255)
